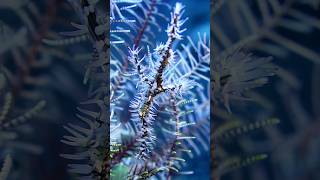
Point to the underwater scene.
(160, 109)
(105, 90)
(265, 79)
(159, 89)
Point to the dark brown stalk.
(173, 145)
(45, 22)
(145, 24)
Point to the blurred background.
(34, 72)
(288, 32)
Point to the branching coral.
(152, 86)
(154, 99)
(164, 79)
